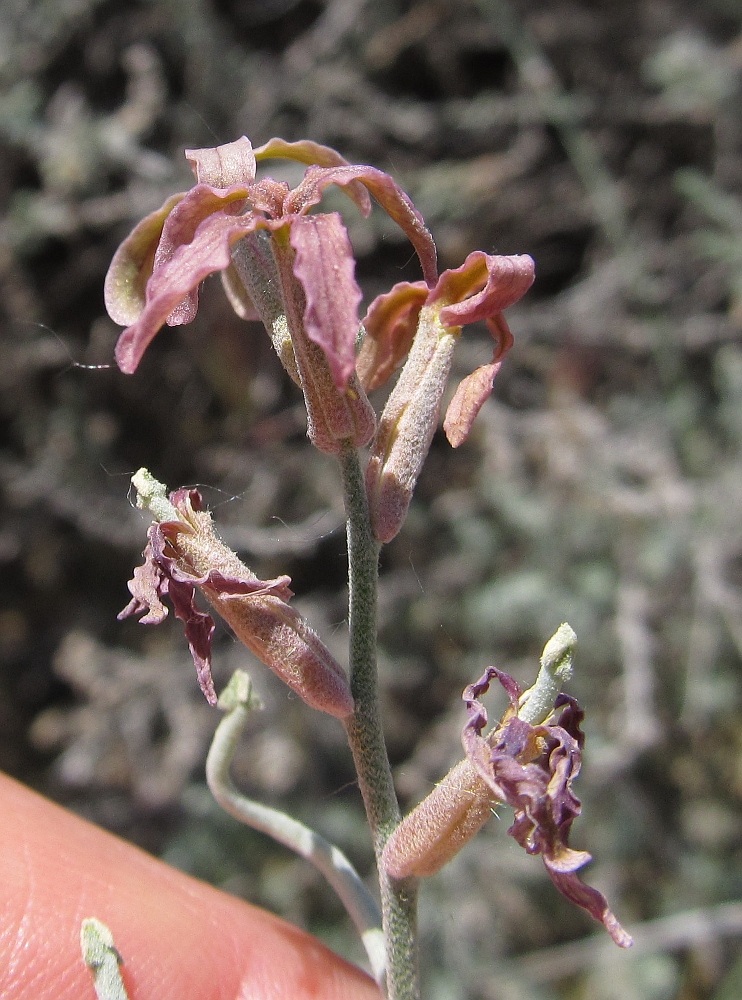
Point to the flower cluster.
(295, 271)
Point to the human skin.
(180, 939)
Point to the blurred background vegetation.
(601, 484)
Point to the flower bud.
(437, 829)
(408, 424)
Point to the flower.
(183, 553)
(293, 269)
(530, 768)
(424, 324)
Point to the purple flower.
(530, 768)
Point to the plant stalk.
(366, 737)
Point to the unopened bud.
(437, 829)
(408, 424)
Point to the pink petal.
(507, 280)
(179, 276)
(132, 264)
(224, 166)
(389, 195)
(475, 389)
(180, 228)
(313, 154)
(467, 402)
(390, 324)
(325, 266)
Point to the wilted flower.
(530, 768)
(424, 324)
(292, 269)
(184, 554)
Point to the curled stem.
(238, 700)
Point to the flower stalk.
(366, 736)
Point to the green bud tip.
(239, 692)
(152, 496)
(537, 703)
(558, 651)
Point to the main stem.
(366, 736)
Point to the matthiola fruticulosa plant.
(292, 267)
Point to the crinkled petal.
(146, 589)
(507, 280)
(325, 266)
(474, 390)
(390, 325)
(531, 768)
(571, 717)
(132, 264)
(182, 274)
(223, 166)
(385, 190)
(151, 582)
(475, 709)
(313, 154)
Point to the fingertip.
(178, 937)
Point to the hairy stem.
(366, 737)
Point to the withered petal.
(594, 902)
(390, 324)
(531, 768)
(385, 190)
(199, 630)
(146, 587)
